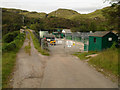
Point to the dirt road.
(29, 68)
(60, 70)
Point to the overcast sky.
(81, 6)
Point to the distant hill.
(26, 13)
(71, 14)
(63, 13)
(61, 18)
(34, 14)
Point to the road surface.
(59, 70)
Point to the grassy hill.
(71, 14)
(61, 18)
(26, 13)
(97, 13)
(63, 13)
(34, 14)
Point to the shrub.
(10, 37)
(9, 58)
(14, 44)
(114, 45)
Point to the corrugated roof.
(99, 33)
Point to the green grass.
(34, 15)
(37, 45)
(0, 65)
(9, 59)
(107, 60)
(83, 55)
(8, 62)
(63, 13)
(28, 36)
(28, 48)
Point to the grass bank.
(82, 55)
(107, 61)
(9, 58)
(28, 47)
(37, 45)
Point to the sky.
(47, 6)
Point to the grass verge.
(9, 58)
(83, 55)
(107, 60)
(37, 45)
(28, 36)
(28, 48)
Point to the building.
(58, 34)
(42, 33)
(101, 40)
(49, 37)
(78, 36)
(67, 34)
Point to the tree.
(37, 27)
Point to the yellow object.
(52, 42)
(73, 44)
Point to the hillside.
(34, 14)
(71, 14)
(61, 18)
(25, 13)
(63, 13)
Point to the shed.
(101, 40)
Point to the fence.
(79, 38)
